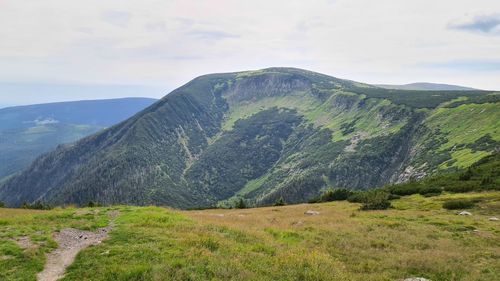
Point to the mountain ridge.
(426, 86)
(261, 135)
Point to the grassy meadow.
(416, 237)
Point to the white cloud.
(166, 43)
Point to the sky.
(96, 49)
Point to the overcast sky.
(156, 46)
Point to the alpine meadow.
(327, 140)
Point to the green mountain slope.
(29, 131)
(262, 135)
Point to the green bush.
(376, 200)
(431, 194)
(36, 206)
(461, 188)
(404, 189)
(92, 204)
(458, 204)
(2, 204)
(313, 200)
(280, 202)
(430, 189)
(465, 176)
(486, 180)
(335, 195)
(356, 197)
(394, 196)
(240, 204)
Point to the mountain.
(423, 86)
(28, 131)
(262, 135)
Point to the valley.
(27, 132)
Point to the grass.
(17, 263)
(465, 124)
(415, 238)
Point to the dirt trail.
(71, 241)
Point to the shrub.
(465, 176)
(36, 206)
(2, 204)
(313, 200)
(404, 189)
(280, 202)
(92, 204)
(431, 194)
(335, 195)
(376, 200)
(356, 197)
(430, 189)
(240, 204)
(458, 204)
(486, 180)
(394, 196)
(460, 188)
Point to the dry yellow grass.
(381, 245)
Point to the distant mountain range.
(423, 86)
(28, 131)
(264, 135)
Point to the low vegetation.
(416, 237)
(458, 204)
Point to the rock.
(493, 219)
(464, 213)
(311, 213)
(416, 279)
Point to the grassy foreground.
(415, 238)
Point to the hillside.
(262, 135)
(422, 86)
(29, 131)
(417, 238)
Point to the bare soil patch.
(71, 241)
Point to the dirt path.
(71, 241)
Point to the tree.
(241, 204)
(280, 202)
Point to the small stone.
(311, 213)
(464, 213)
(493, 219)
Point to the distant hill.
(264, 135)
(422, 86)
(28, 131)
(101, 113)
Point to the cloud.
(156, 27)
(212, 34)
(489, 24)
(116, 18)
(167, 43)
